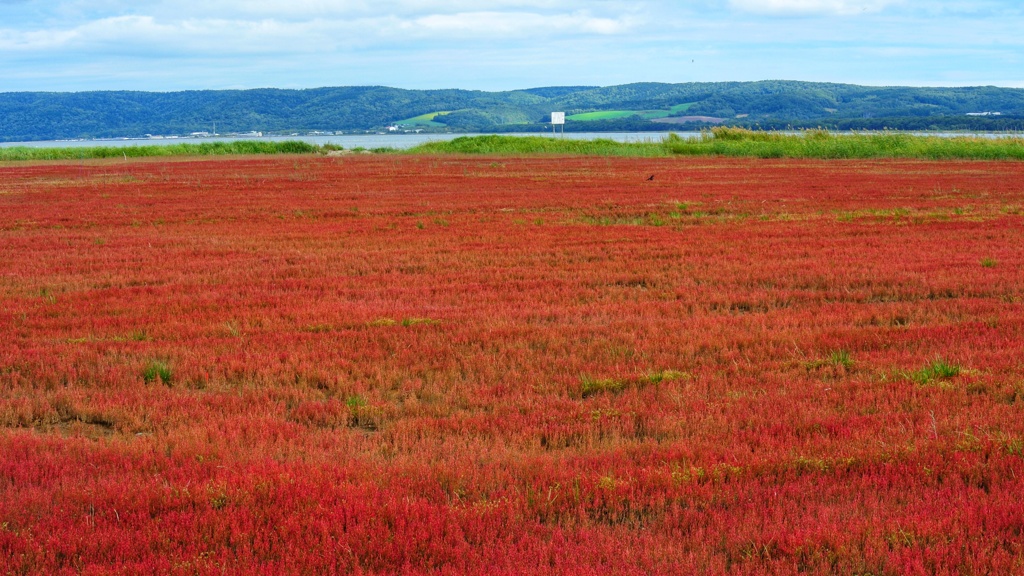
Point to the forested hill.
(28, 116)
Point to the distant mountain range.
(27, 116)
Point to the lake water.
(348, 141)
(403, 141)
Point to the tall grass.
(719, 141)
(726, 141)
(15, 153)
(514, 145)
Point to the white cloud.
(811, 7)
(330, 9)
(506, 24)
(155, 44)
(384, 7)
(266, 35)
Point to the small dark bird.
(651, 177)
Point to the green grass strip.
(719, 141)
(15, 153)
(724, 141)
(517, 145)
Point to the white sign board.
(558, 117)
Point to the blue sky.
(166, 45)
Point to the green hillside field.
(423, 120)
(616, 114)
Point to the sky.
(170, 45)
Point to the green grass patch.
(726, 141)
(937, 369)
(616, 114)
(241, 147)
(427, 119)
(419, 321)
(602, 115)
(379, 322)
(840, 358)
(157, 371)
(666, 376)
(591, 386)
(518, 145)
(673, 111)
(837, 362)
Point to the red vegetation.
(391, 364)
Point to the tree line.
(26, 116)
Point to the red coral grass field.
(439, 364)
